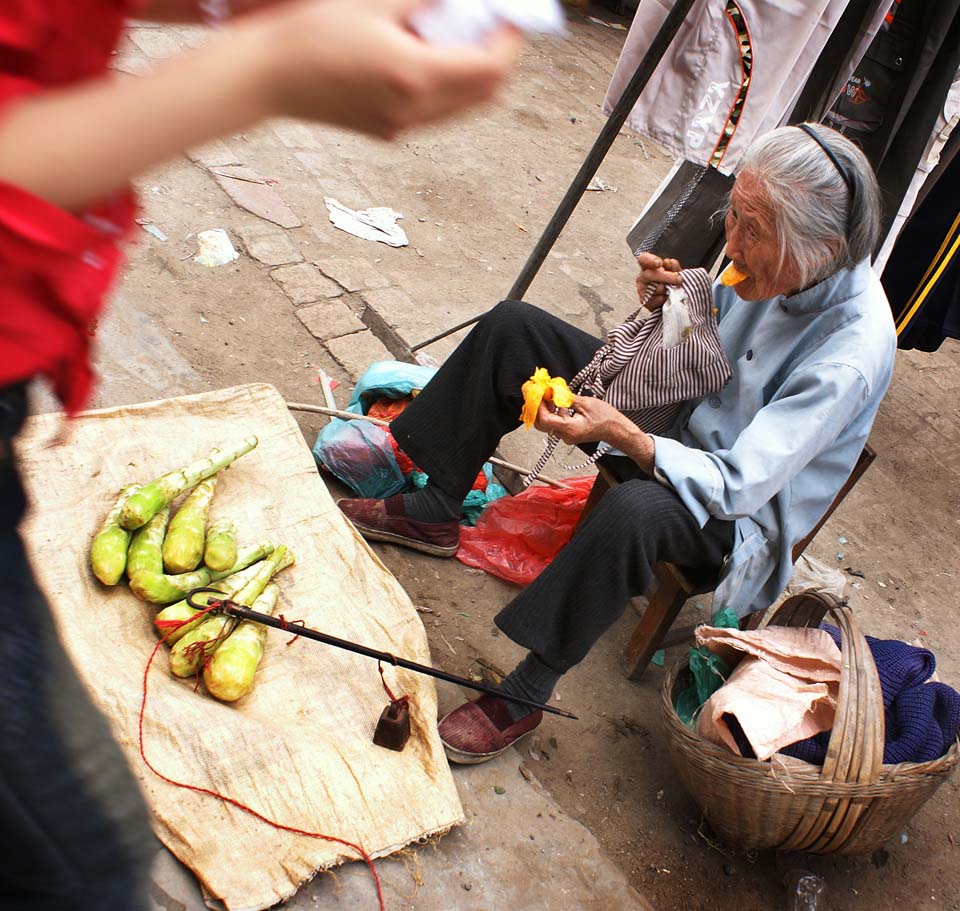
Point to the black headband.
(819, 140)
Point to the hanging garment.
(922, 276)
(937, 151)
(740, 64)
(892, 101)
(651, 366)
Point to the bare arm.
(348, 64)
(190, 11)
(77, 145)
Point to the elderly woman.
(740, 477)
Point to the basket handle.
(855, 751)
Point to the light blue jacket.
(773, 448)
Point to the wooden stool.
(675, 585)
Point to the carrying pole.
(242, 612)
(645, 69)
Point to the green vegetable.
(158, 588)
(229, 673)
(151, 498)
(221, 549)
(191, 651)
(108, 552)
(183, 545)
(144, 552)
(183, 611)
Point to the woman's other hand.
(659, 272)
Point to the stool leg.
(663, 608)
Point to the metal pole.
(658, 47)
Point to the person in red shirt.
(72, 822)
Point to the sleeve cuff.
(690, 473)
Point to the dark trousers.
(456, 423)
(73, 827)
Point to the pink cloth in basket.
(783, 689)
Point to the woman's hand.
(351, 64)
(358, 65)
(591, 420)
(657, 272)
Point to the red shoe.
(383, 520)
(481, 730)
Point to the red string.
(285, 624)
(201, 652)
(403, 700)
(230, 800)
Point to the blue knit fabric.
(922, 719)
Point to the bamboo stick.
(327, 388)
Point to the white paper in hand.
(460, 22)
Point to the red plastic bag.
(517, 537)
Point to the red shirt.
(55, 267)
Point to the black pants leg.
(455, 424)
(609, 560)
(73, 825)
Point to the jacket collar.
(834, 289)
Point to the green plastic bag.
(709, 672)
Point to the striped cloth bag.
(650, 366)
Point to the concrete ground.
(603, 813)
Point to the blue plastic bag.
(388, 380)
(359, 453)
(361, 456)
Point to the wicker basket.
(850, 806)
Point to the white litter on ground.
(378, 223)
(215, 248)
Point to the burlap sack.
(299, 747)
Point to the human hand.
(358, 65)
(588, 420)
(659, 273)
(591, 420)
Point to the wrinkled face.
(753, 246)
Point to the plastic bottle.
(807, 895)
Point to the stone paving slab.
(269, 245)
(250, 191)
(330, 319)
(355, 353)
(213, 155)
(305, 283)
(354, 274)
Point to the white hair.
(822, 225)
